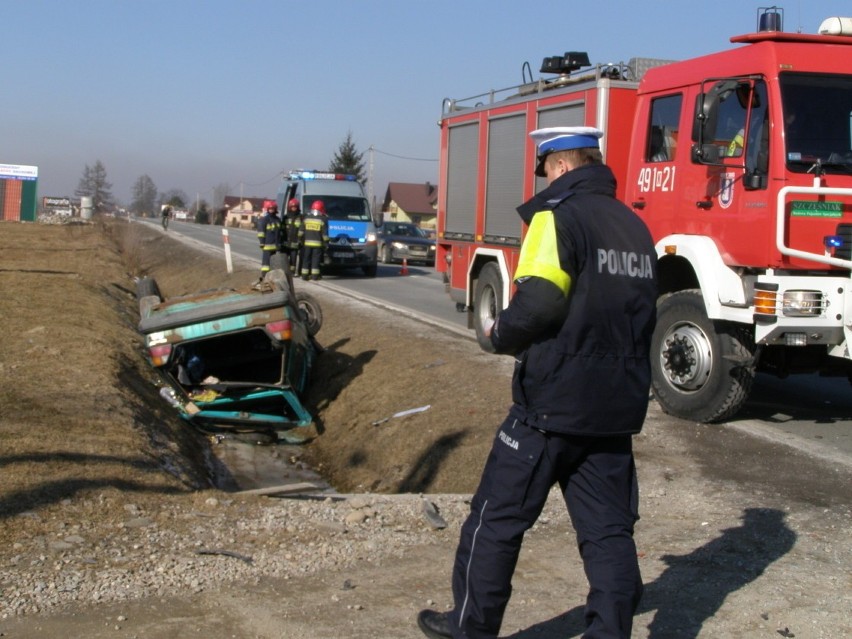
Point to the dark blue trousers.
(597, 477)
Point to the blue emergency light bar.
(303, 174)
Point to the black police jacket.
(584, 308)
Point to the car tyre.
(310, 310)
(148, 294)
(279, 261)
(147, 286)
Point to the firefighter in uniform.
(268, 234)
(313, 236)
(290, 236)
(579, 326)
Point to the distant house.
(243, 212)
(417, 203)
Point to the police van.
(351, 227)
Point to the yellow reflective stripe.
(540, 255)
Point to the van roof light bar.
(310, 174)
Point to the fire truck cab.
(739, 162)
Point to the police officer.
(313, 236)
(292, 223)
(579, 326)
(268, 234)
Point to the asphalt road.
(810, 413)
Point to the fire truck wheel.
(701, 370)
(487, 303)
(311, 311)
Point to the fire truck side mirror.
(706, 154)
(703, 128)
(700, 115)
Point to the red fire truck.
(740, 163)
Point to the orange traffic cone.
(404, 269)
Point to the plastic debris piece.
(431, 511)
(402, 413)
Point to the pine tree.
(94, 184)
(348, 160)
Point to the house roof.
(412, 198)
(232, 201)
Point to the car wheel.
(147, 286)
(701, 370)
(279, 261)
(370, 270)
(311, 311)
(148, 294)
(279, 278)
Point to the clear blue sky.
(197, 93)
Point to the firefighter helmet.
(292, 202)
(318, 208)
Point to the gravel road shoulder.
(158, 554)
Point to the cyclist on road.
(165, 214)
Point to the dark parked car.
(403, 240)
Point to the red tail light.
(282, 330)
(160, 354)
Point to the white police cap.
(562, 138)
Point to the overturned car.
(235, 360)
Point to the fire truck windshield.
(817, 122)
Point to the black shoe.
(434, 624)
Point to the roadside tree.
(220, 191)
(175, 198)
(202, 215)
(347, 159)
(94, 184)
(144, 196)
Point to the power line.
(277, 175)
(402, 157)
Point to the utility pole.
(370, 179)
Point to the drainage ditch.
(246, 463)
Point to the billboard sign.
(57, 205)
(18, 172)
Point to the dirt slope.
(106, 499)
